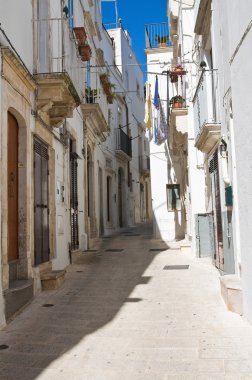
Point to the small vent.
(176, 267)
(40, 148)
(213, 163)
(91, 250)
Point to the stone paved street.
(120, 315)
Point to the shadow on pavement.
(97, 286)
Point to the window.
(173, 197)
(138, 89)
(119, 110)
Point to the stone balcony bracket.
(208, 137)
(178, 119)
(93, 115)
(56, 96)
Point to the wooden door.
(41, 210)
(74, 198)
(12, 188)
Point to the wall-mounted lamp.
(223, 147)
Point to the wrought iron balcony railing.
(157, 35)
(123, 142)
(57, 50)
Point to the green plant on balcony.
(177, 101)
(90, 94)
(161, 40)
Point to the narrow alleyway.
(120, 315)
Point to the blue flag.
(156, 95)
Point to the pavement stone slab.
(121, 316)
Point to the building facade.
(71, 134)
(217, 35)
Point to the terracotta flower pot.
(80, 35)
(85, 52)
(177, 105)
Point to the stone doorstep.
(231, 291)
(185, 247)
(17, 296)
(53, 279)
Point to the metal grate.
(132, 235)
(157, 249)
(114, 250)
(48, 305)
(3, 347)
(176, 267)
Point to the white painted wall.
(241, 100)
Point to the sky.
(135, 14)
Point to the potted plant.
(161, 40)
(90, 95)
(177, 101)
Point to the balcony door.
(43, 37)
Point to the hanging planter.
(80, 35)
(107, 87)
(177, 101)
(110, 98)
(176, 72)
(85, 52)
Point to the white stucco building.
(217, 36)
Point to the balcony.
(58, 72)
(157, 36)
(207, 128)
(144, 166)
(179, 110)
(123, 145)
(93, 115)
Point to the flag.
(148, 109)
(160, 125)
